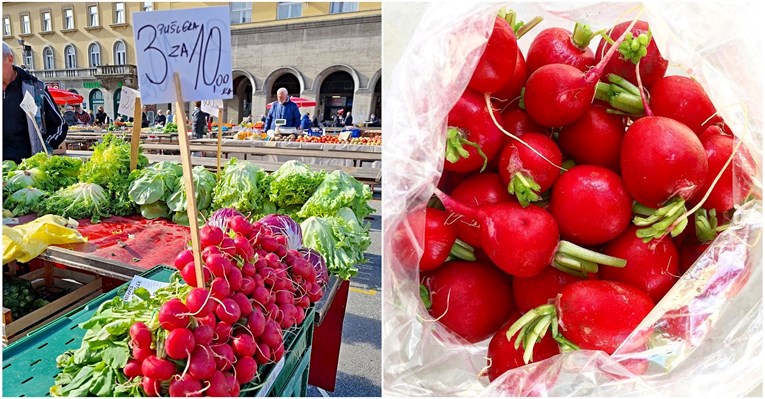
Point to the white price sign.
(140, 282)
(28, 105)
(212, 106)
(194, 42)
(127, 101)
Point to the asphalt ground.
(359, 369)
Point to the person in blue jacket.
(305, 123)
(283, 108)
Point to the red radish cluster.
(211, 342)
(599, 158)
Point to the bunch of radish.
(578, 186)
(212, 342)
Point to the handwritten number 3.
(150, 46)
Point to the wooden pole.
(220, 136)
(136, 139)
(188, 181)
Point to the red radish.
(173, 314)
(141, 353)
(233, 386)
(245, 306)
(210, 235)
(472, 138)
(208, 319)
(502, 354)
(527, 174)
(684, 100)
(594, 139)
(651, 267)
(512, 90)
(243, 247)
(278, 353)
(157, 369)
(663, 164)
(272, 334)
(179, 343)
(189, 274)
(263, 355)
(560, 46)
(220, 288)
(246, 369)
(224, 356)
(198, 301)
(206, 252)
(228, 246)
(132, 368)
(590, 314)
(518, 122)
(495, 68)
(472, 299)
(652, 65)
(222, 332)
(558, 94)
(218, 265)
(228, 311)
(140, 335)
(726, 192)
(244, 344)
(203, 334)
(256, 323)
(150, 386)
(239, 225)
(248, 269)
(530, 292)
(186, 386)
(218, 386)
(524, 240)
(479, 190)
(261, 295)
(591, 205)
(202, 363)
(183, 258)
(234, 277)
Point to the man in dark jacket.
(282, 109)
(20, 139)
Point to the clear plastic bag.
(716, 307)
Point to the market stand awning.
(301, 102)
(63, 97)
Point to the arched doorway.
(336, 93)
(96, 100)
(377, 99)
(117, 94)
(289, 82)
(243, 96)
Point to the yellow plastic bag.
(25, 242)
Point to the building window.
(26, 27)
(48, 60)
(337, 7)
(241, 13)
(93, 16)
(6, 26)
(47, 26)
(70, 56)
(120, 57)
(68, 18)
(287, 10)
(148, 6)
(29, 61)
(119, 13)
(94, 52)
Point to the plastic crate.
(29, 364)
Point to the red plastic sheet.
(133, 240)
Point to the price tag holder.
(194, 42)
(127, 102)
(212, 106)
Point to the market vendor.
(282, 109)
(20, 139)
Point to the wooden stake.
(188, 181)
(220, 135)
(136, 139)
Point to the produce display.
(577, 187)
(189, 341)
(21, 298)
(335, 139)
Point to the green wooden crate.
(29, 364)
